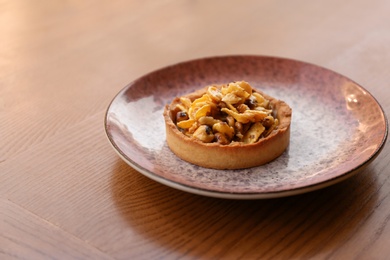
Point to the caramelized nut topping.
(226, 114)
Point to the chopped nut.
(224, 129)
(204, 134)
(221, 105)
(242, 108)
(221, 139)
(251, 102)
(253, 133)
(268, 121)
(230, 120)
(238, 127)
(208, 120)
(193, 128)
(214, 93)
(231, 99)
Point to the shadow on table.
(307, 225)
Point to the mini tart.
(236, 155)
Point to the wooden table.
(65, 193)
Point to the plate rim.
(241, 195)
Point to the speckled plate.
(337, 127)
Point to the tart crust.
(235, 155)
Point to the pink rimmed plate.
(337, 127)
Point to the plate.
(337, 126)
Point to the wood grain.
(64, 192)
(25, 235)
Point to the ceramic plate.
(337, 127)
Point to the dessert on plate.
(229, 126)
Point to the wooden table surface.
(66, 194)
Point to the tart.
(230, 126)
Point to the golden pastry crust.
(236, 154)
